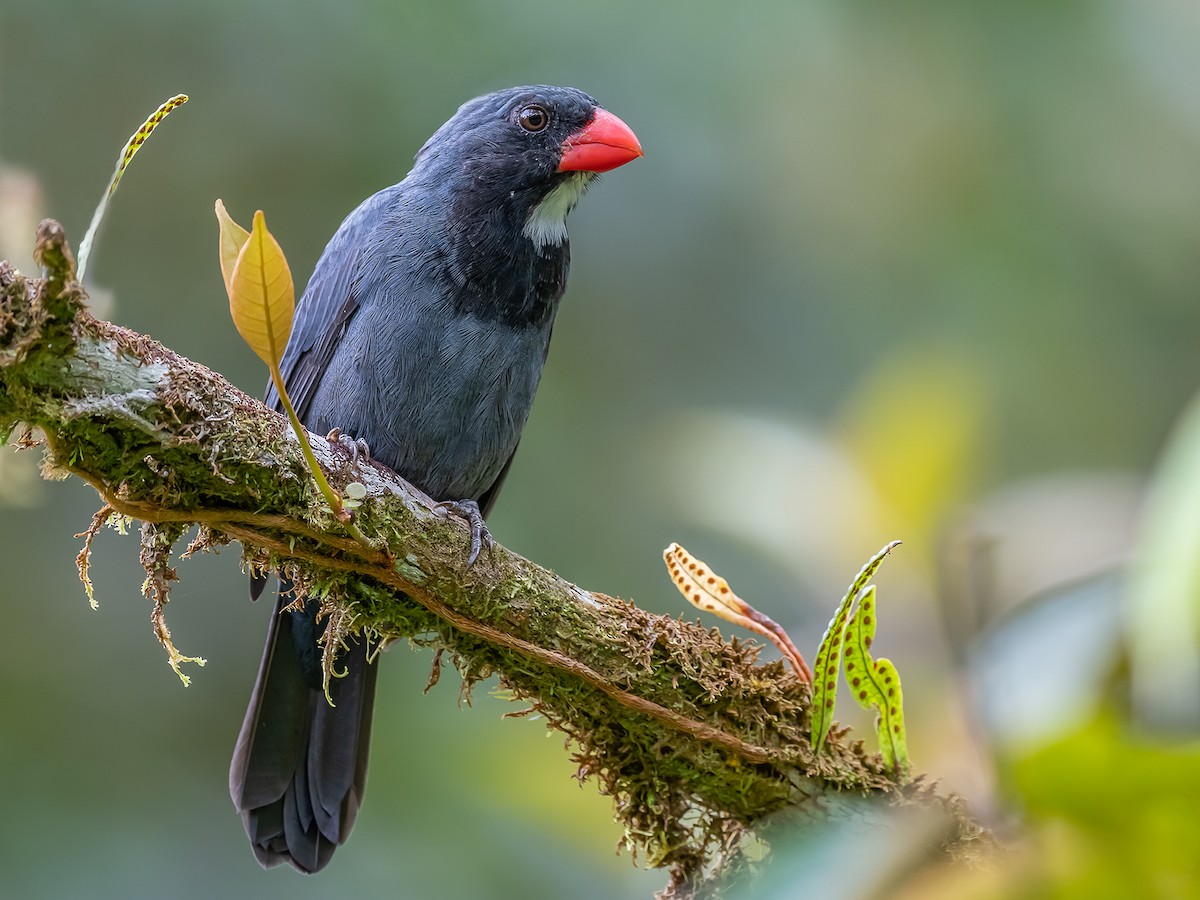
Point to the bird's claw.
(355, 448)
(480, 536)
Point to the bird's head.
(525, 155)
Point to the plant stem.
(331, 496)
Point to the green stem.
(331, 496)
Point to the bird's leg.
(480, 536)
(355, 448)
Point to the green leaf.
(825, 675)
(876, 683)
(829, 654)
(1122, 800)
(1163, 612)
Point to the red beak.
(603, 144)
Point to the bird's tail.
(300, 765)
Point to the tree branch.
(697, 743)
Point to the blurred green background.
(923, 271)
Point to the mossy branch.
(698, 744)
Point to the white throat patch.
(547, 224)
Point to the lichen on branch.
(696, 741)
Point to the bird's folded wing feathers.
(327, 305)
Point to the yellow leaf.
(702, 587)
(231, 239)
(706, 590)
(262, 302)
(262, 297)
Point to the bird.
(422, 334)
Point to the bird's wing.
(327, 305)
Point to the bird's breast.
(440, 396)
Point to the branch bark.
(697, 743)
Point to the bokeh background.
(923, 271)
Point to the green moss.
(155, 429)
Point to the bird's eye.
(533, 119)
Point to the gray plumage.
(423, 331)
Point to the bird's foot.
(480, 536)
(355, 448)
